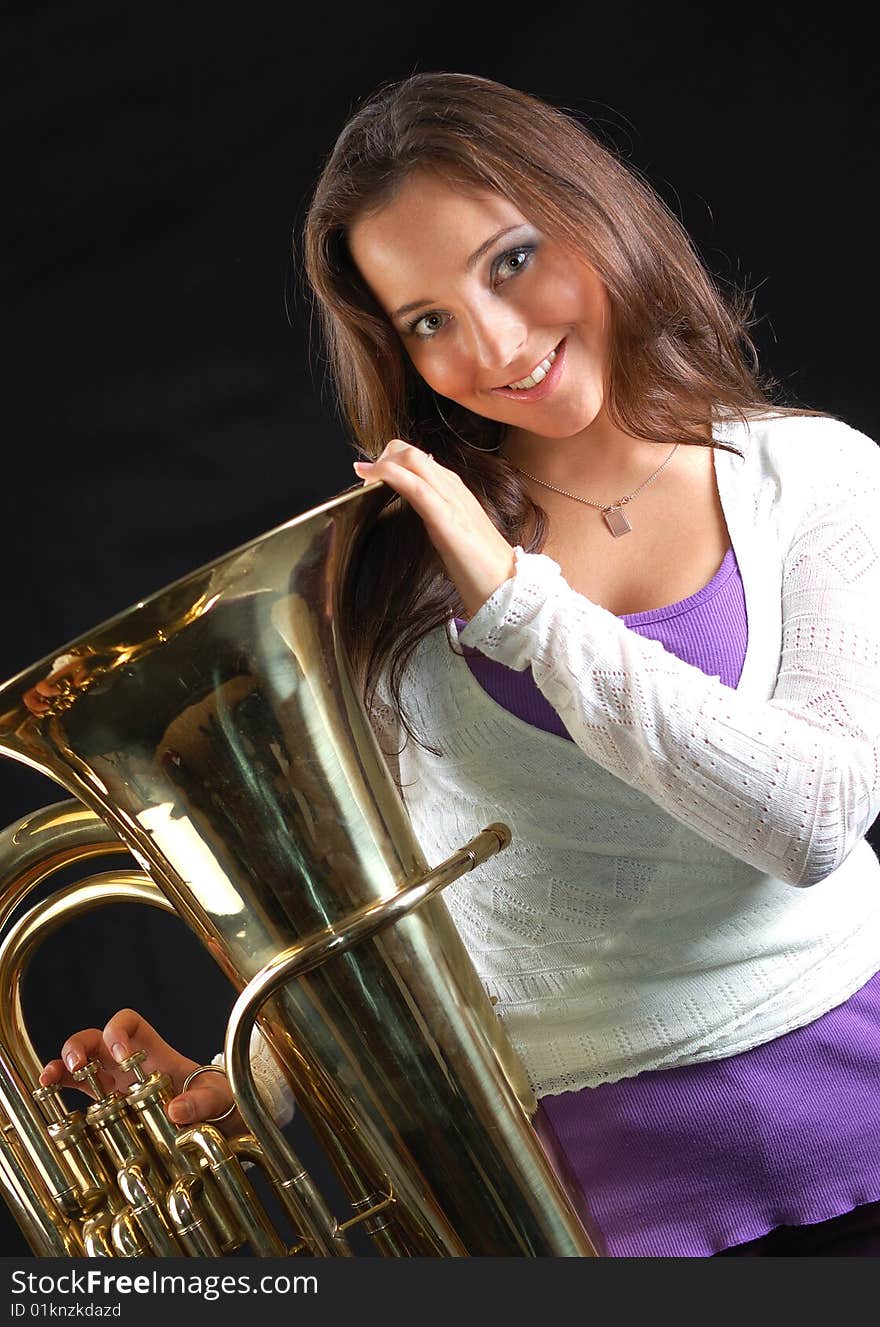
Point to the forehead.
(425, 233)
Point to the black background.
(163, 401)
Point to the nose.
(498, 334)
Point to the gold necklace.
(614, 516)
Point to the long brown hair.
(679, 347)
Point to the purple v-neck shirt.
(686, 1162)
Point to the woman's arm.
(789, 785)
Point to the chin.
(567, 430)
(567, 423)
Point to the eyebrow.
(470, 265)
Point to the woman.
(663, 587)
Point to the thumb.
(208, 1096)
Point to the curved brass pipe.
(216, 727)
(25, 937)
(30, 852)
(294, 1188)
(34, 848)
(21, 942)
(190, 1227)
(48, 1233)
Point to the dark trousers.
(856, 1234)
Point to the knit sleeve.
(272, 1087)
(789, 785)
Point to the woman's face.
(483, 300)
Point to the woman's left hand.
(476, 556)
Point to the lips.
(542, 387)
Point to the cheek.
(442, 368)
(557, 301)
(573, 297)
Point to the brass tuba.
(213, 732)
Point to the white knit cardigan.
(647, 912)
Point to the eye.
(512, 262)
(427, 325)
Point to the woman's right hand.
(125, 1033)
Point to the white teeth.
(537, 374)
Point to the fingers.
(126, 1032)
(82, 1046)
(476, 555)
(53, 1074)
(399, 457)
(123, 1034)
(428, 486)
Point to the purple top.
(686, 1162)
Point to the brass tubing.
(96, 1236)
(147, 1099)
(92, 1184)
(146, 1210)
(70, 1134)
(125, 1237)
(218, 728)
(119, 1135)
(43, 842)
(30, 851)
(295, 1189)
(187, 1221)
(47, 1235)
(22, 940)
(31, 1130)
(206, 1142)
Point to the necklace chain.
(612, 512)
(603, 506)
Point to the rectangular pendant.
(616, 521)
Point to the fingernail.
(361, 465)
(71, 1059)
(118, 1051)
(181, 1112)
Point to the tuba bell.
(213, 731)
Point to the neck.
(599, 455)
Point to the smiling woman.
(501, 318)
(501, 295)
(677, 714)
(460, 234)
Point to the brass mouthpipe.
(295, 1188)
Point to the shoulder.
(800, 450)
(823, 440)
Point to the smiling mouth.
(538, 374)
